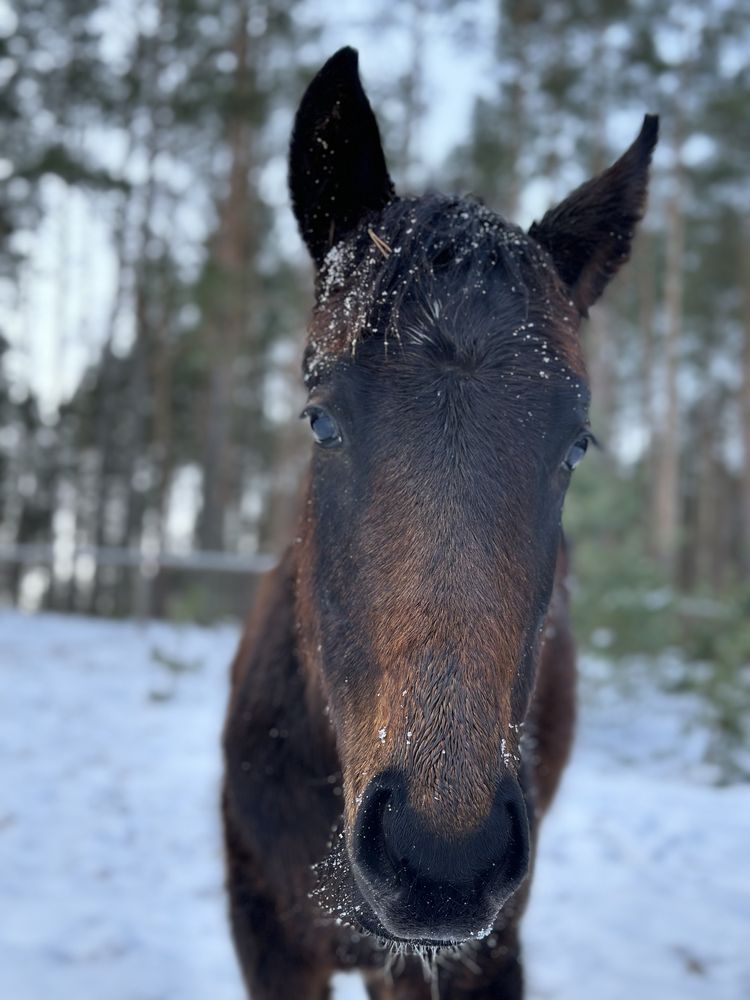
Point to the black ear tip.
(649, 133)
(344, 62)
(338, 75)
(346, 53)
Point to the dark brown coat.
(403, 698)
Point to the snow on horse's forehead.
(437, 263)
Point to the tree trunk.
(161, 377)
(666, 494)
(644, 276)
(599, 347)
(745, 397)
(228, 322)
(138, 394)
(412, 94)
(106, 415)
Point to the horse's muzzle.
(431, 886)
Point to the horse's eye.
(323, 426)
(576, 452)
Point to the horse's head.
(448, 401)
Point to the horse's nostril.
(433, 884)
(371, 849)
(511, 861)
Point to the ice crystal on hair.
(447, 259)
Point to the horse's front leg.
(273, 966)
(282, 955)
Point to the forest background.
(154, 294)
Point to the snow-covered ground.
(110, 866)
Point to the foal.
(403, 697)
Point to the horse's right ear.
(589, 234)
(337, 171)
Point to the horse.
(403, 697)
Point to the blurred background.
(153, 300)
(154, 293)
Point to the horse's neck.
(281, 775)
(271, 692)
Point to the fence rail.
(153, 575)
(230, 562)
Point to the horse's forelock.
(429, 260)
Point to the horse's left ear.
(589, 234)
(337, 171)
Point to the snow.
(110, 858)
